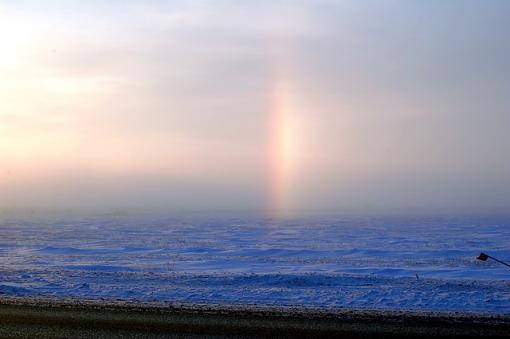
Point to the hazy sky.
(286, 107)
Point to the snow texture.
(360, 263)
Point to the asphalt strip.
(22, 317)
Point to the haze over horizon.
(287, 107)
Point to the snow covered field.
(367, 263)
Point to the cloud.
(394, 105)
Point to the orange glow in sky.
(281, 146)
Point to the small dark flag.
(482, 257)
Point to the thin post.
(484, 257)
(501, 262)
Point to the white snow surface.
(360, 263)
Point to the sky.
(276, 107)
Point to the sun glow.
(282, 147)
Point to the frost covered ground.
(367, 263)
